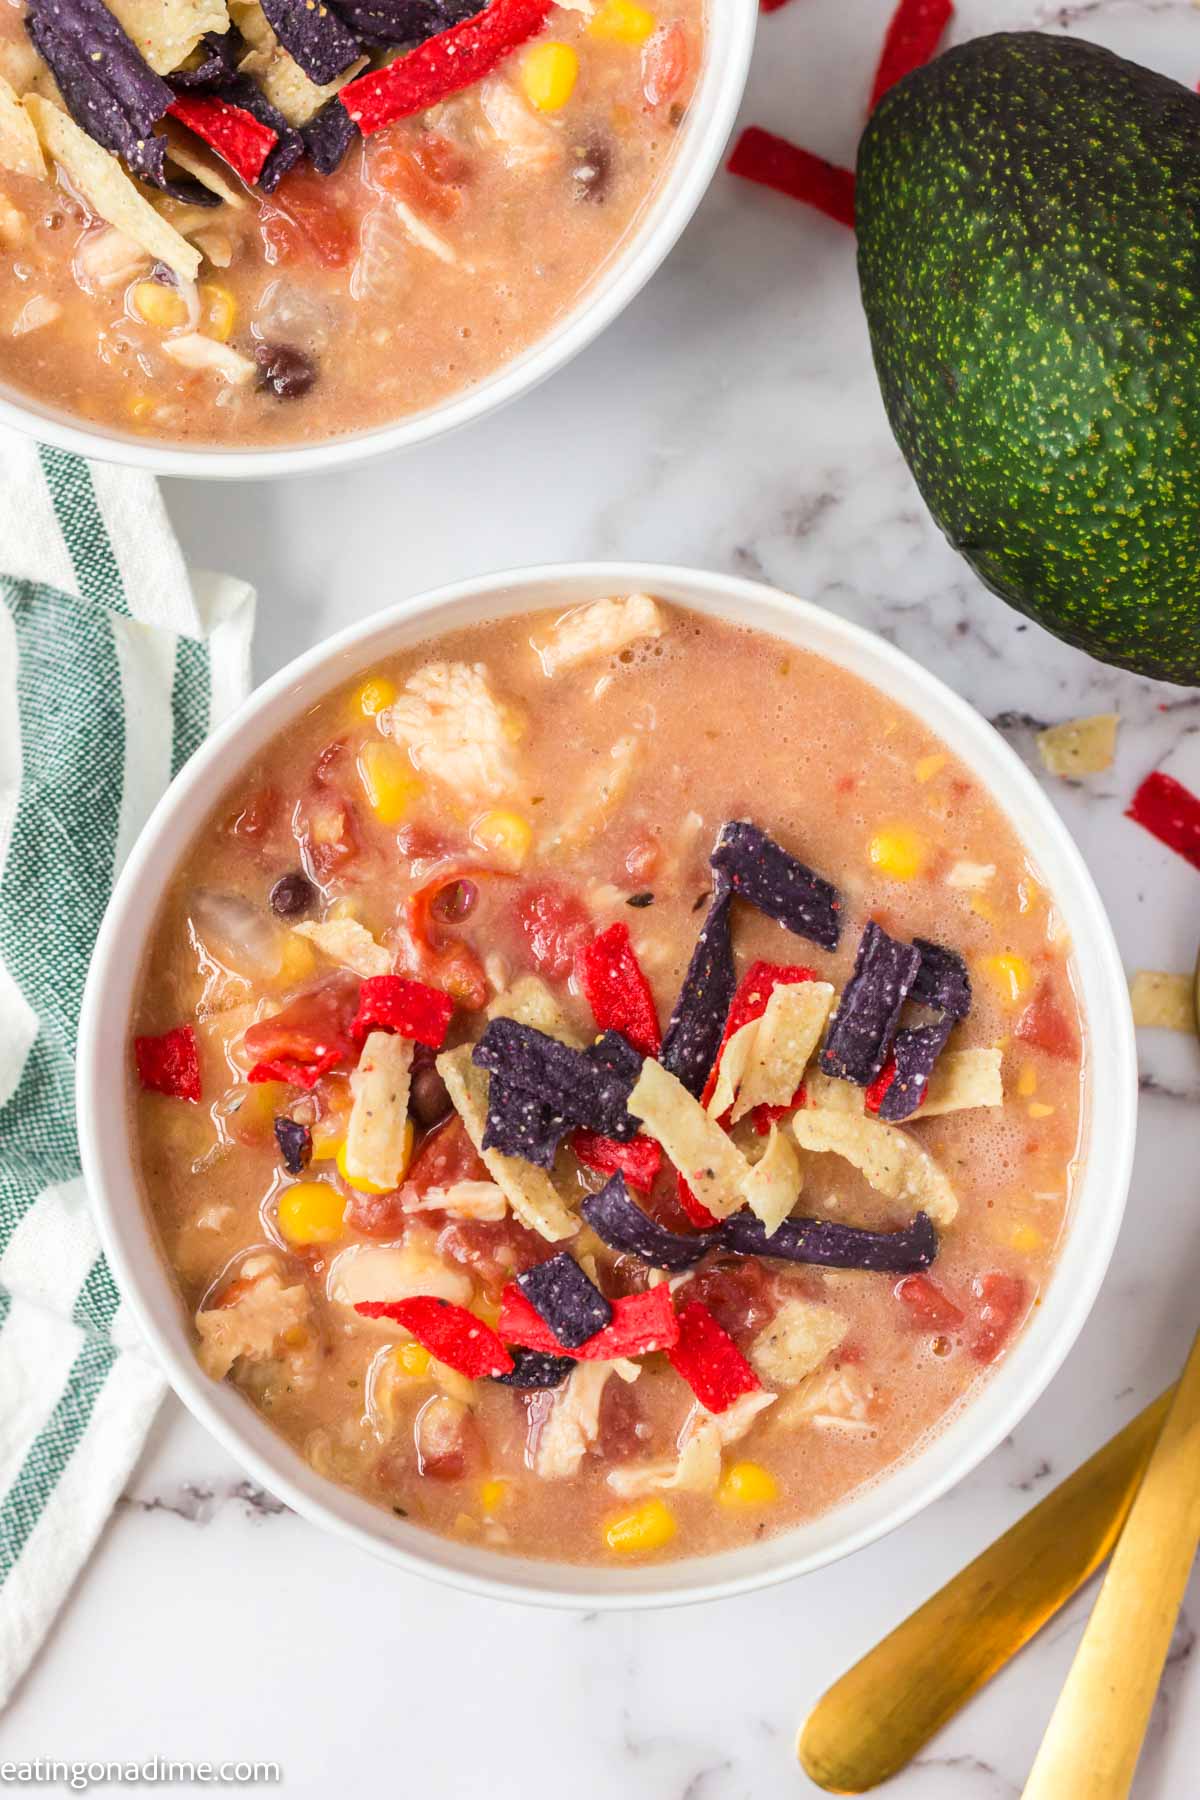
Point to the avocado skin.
(1028, 218)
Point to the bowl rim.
(730, 28)
(990, 1411)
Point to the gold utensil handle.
(881, 1712)
(1094, 1738)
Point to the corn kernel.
(295, 1337)
(1010, 977)
(897, 853)
(647, 1527)
(1037, 1109)
(1026, 1238)
(161, 306)
(503, 834)
(374, 696)
(311, 1213)
(548, 75)
(326, 1138)
(492, 1495)
(141, 408)
(298, 960)
(413, 1359)
(389, 780)
(748, 1484)
(621, 22)
(929, 766)
(218, 310)
(360, 1182)
(1027, 1082)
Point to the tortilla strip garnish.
(893, 1162)
(107, 189)
(376, 1133)
(347, 942)
(531, 1193)
(20, 151)
(711, 1164)
(786, 1040)
(773, 1185)
(962, 1079)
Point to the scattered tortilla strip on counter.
(711, 1164)
(603, 628)
(107, 190)
(20, 147)
(963, 1079)
(773, 1185)
(1079, 747)
(377, 1131)
(532, 1195)
(347, 942)
(894, 1163)
(1163, 1001)
(796, 1342)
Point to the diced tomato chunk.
(304, 198)
(620, 1434)
(377, 1215)
(255, 818)
(664, 64)
(930, 1307)
(446, 1156)
(1000, 1301)
(448, 1440)
(1045, 1025)
(555, 925)
(411, 170)
(310, 1029)
(493, 1249)
(740, 1296)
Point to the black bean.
(592, 171)
(428, 1100)
(292, 895)
(457, 900)
(286, 372)
(646, 899)
(295, 1145)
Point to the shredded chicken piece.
(195, 351)
(526, 141)
(456, 730)
(697, 1468)
(574, 1422)
(832, 1399)
(465, 1200)
(108, 259)
(603, 628)
(347, 942)
(255, 1314)
(395, 1272)
(600, 793)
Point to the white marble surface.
(731, 420)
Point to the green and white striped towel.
(114, 663)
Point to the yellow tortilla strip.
(187, 154)
(963, 1079)
(20, 151)
(530, 1191)
(735, 1059)
(530, 1002)
(282, 80)
(711, 1164)
(894, 1163)
(377, 1130)
(109, 193)
(772, 1187)
(826, 1093)
(1163, 1000)
(788, 1034)
(167, 31)
(1079, 747)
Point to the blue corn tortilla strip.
(777, 883)
(239, 90)
(109, 90)
(536, 1369)
(861, 1030)
(834, 1246)
(328, 137)
(520, 1123)
(295, 1145)
(216, 59)
(587, 1087)
(405, 21)
(617, 1219)
(942, 980)
(697, 1025)
(916, 1050)
(571, 1304)
(314, 35)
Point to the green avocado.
(1028, 217)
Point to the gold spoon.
(873, 1721)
